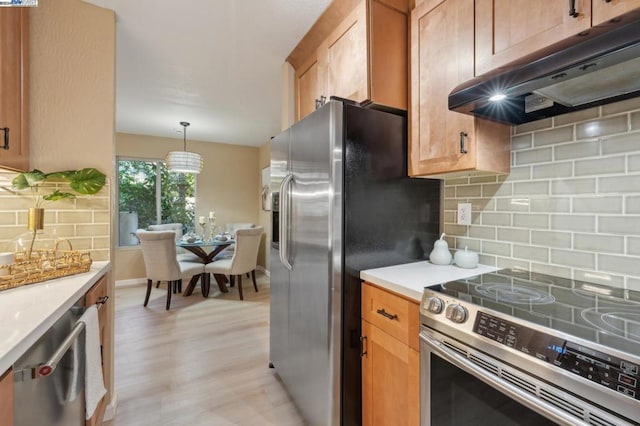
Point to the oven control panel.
(598, 367)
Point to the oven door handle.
(503, 386)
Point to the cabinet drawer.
(392, 314)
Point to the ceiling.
(214, 63)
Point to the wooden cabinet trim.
(6, 399)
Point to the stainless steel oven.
(518, 348)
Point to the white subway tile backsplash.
(513, 204)
(471, 244)
(622, 106)
(531, 188)
(619, 184)
(555, 204)
(498, 219)
(540, 254)
(497, 189)
(499, 249)
(633, 246)
(598, 243)
(553, 136)
(465, 191)
(570, 205)
(482, 232)
(521, 142)
(533, 125)
(619, 264)
(553, 170)
(597, 204)
(513, 234)
(532, 156)
(491, 178)
(551, 239)
(449, 192)
(574, 117)
(532, 221)
(573, 258)
(519, 173)
(635, 121)
(602, 127)
(573, 186)
(623, 225)
(600, 166)
(580, 149)
(567, 222)
(621, 144)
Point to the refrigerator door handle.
(284, 221)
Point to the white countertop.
(410, 279)
(27, 312)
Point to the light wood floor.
(203, 362)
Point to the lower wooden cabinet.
(6, 399)
(95, 293)
(390, 365)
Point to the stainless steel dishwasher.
(56, 399)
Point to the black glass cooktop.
(606, 315)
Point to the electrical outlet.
(464, 214)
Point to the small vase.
(28, 244)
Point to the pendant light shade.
(184, 161)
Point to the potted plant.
(87, 181)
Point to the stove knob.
(435, 305)
(456, 313)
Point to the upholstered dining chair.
(231, 228)
(183, 256)
(244, 260)
(161, 264)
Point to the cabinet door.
(346, 58)
(14, 53)
(307, 88)
(6, 402)
(390, 380)
(604, 11)
(441, 58)
(92, 296)
(509, 30)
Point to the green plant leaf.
(58, 195)
(28, 179)
(87, 181)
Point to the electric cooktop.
(602, 314)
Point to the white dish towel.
(93, 381)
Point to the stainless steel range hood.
(597, 71)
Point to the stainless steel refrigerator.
(344, 204)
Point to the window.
(148, 194)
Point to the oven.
(517, 348)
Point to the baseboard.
(110, 410)
(263, 270)
(130, 282)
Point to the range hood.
(597, 71)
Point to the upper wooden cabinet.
(14, 85)
(442, 52)
(606, 10)
(356, 50)
(511, 31)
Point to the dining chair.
(231, 228)
(161, 263)
(182, 255)
(245, 257)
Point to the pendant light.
(184, 161)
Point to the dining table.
(207, 251)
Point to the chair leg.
(247, 275)
(180, 285)
(253, 277)
(158, 284)
(231, 280)
(169, 294)
(240, 286)
(146, 298)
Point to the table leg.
(206, 284)
(191, 285)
